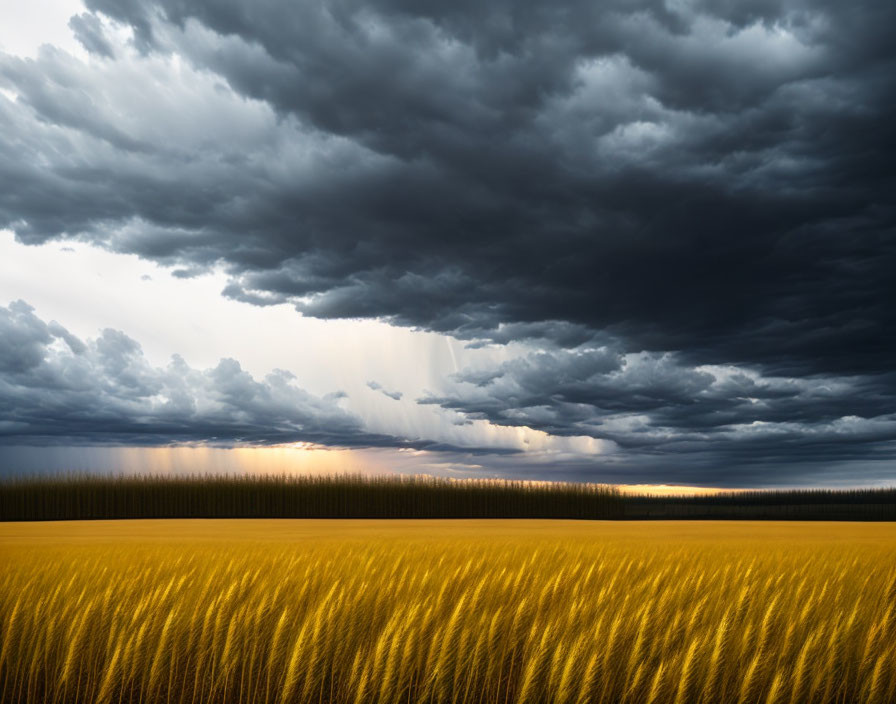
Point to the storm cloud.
(731, 424)
(685, 209)
(57, 389)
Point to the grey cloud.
(661, 411)
(57, 389)
(681, 177)
(394, 395)
(23, 340)
(89, 31)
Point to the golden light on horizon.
(672, 489)
(295, 458)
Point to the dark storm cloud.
(722, 422)
(711, 179)
(55, 389)
(706, 182)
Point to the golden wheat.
(451, 611)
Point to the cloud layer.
(687, 206)
(731, 425)
(58, 389)
(711, 178)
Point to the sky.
(631, 242)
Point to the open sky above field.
(632, 242)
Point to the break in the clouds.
(56, 389)
(683, 210)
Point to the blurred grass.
(87, 496)
(295, 496)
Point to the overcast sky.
(637, 242)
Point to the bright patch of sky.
(87, 289)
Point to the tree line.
(74, 497)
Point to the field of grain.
(281, 611)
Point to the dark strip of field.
(348, 496)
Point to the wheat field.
(447, 611)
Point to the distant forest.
(351, 496)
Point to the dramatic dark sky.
(646, 242)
